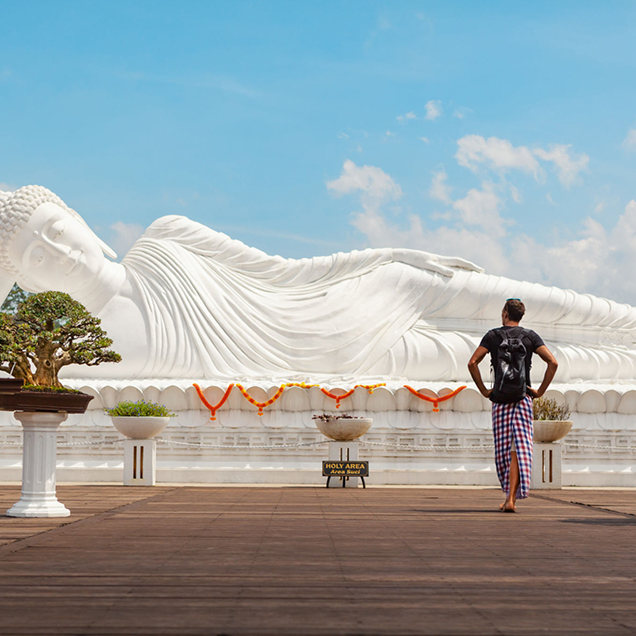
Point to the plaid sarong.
(513, 421)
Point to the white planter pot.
(140, 427)
(548, 431)
(344, 430)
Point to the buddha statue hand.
(444, 265)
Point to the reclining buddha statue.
(190, 302)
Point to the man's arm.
(473, 367)
(546, 355)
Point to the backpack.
(510, 368)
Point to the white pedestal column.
(546, 466)
(343, 452)
(140, 462)
(38, 466)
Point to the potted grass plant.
(140, 420)
(551, 420)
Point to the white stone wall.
(600, 450)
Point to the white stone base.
(38, 466)
(38, 506)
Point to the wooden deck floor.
(307, 561)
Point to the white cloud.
(433, 109)
(461, 112)
(593, 263)
(623, 235)
(5, 187)
(481, 208)
(499, 154)
(629, 142)
(567, 166)
(549, 199)
(371, 181)
(426, 140)
(440, 190)
(515, 193)
(343, 136)
(404, 118)
(600, 206)
(124, 235)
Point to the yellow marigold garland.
(302, 385)
(338, 398)
(370, 387)
(261, 405)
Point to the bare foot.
(509, 507)
(502, 506)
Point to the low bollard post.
(140, 462)
(547, 466)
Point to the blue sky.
(503, 132)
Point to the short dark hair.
(515, 309)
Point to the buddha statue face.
(54, 250)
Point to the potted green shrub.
(39, 336)
(551, 420)
(139, 420)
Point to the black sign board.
(334, 468)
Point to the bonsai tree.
(47, 332)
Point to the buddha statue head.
(45, 245)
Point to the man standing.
(511, 348)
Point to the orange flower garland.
(337, 398)
(213, 409)
(261, 405)
(437, 399)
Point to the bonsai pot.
(548, 431)
(343, 429)
(44, 401)
(135, 427)
(10, 385)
